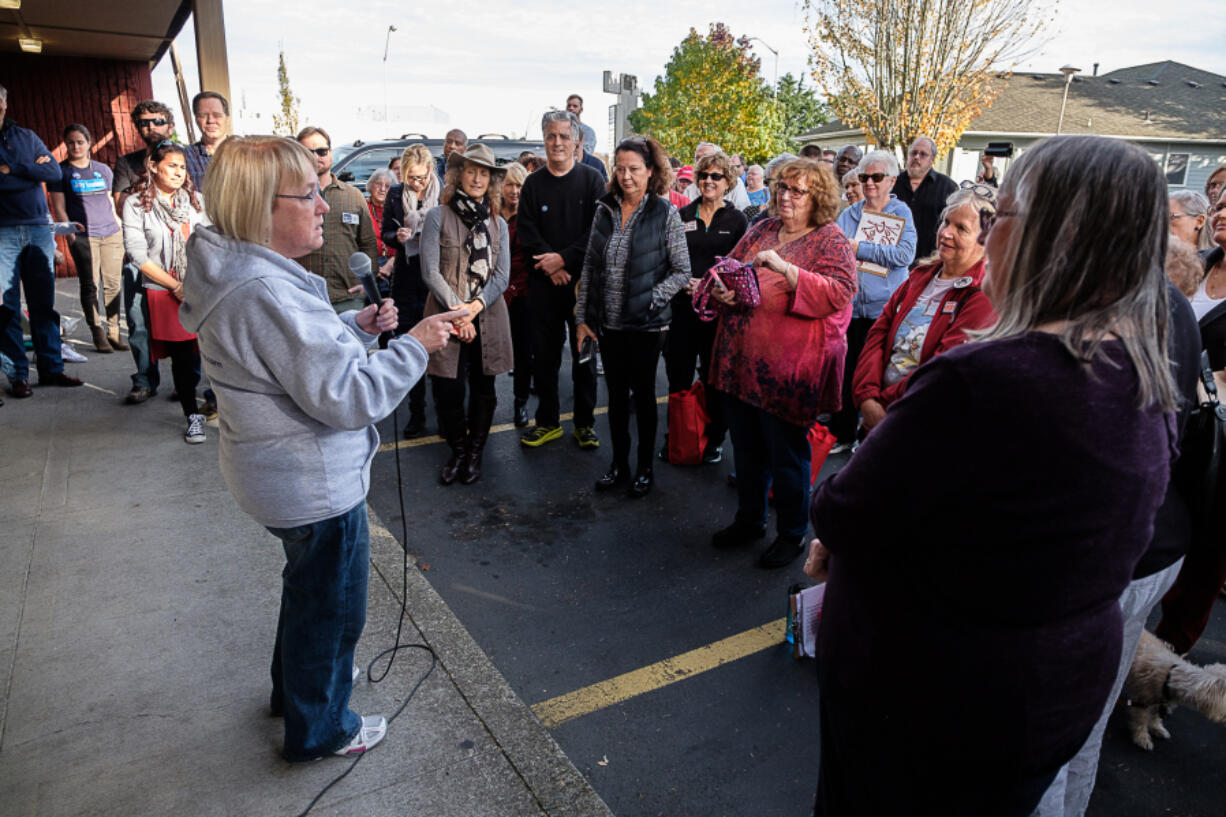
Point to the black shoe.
(615, 477)
(21, 389)
(60, 379)
(139, 394)
(782, 552)
(521, 413)
(641, 486)
(416, 427)
(736, 535)
(713, 454)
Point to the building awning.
(139, 30)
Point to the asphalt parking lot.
(654, 659)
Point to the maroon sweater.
(981, 537)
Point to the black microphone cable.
(393, 650)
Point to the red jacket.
(971, 310)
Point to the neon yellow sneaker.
(539, 435)
(586, 436)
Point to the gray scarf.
(172, 215)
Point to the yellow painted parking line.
(434, 438)
(589, 699)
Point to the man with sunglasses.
(924, 190)
(154, 123)
(348, 227)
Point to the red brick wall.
(45, 93)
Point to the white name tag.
(349, 218)
(689, 226)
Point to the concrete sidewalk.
(137, 612)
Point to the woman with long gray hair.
(1029, 465)
(1190, 219)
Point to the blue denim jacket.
(874, 291)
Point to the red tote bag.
(820, 443)
(687, 425)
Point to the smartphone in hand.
(587, 350)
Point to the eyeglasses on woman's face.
(793, 192)
(311, 196)
(875, 178)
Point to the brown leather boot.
(478, 432)
(117, 342)
(452, 427)
(100, 340)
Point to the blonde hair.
(417, 154)
(243, 180)
(516, 173)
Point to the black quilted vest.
(647, 265)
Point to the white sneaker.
(195, 429)
(373, 730)
(357, 673)
(71, 355)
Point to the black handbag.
(1198, 472)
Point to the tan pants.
(100, 266)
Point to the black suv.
(353, 163)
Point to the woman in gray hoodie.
(299, 395)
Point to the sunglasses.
(715, 177)
(320, 151)
(876, 177)
(983, 191)
(150, 123)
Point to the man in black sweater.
(924, 190)
(555, 215)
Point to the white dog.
(1160, 679)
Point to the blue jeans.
(27, 261)
(323, 611)
(769, 452)
(134, 305)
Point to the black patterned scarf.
(475, 215)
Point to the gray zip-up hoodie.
(297, 394)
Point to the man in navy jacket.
(27, 252)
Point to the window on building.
(1176, 169)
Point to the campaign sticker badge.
(349, 218)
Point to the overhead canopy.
(125, 30)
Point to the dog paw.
(1143, 741)
(1159, 731)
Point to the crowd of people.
(1019, 355)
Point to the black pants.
(690, 341)
(551, 308)
(521, 344)
(630, 363)
(409, 295)
(185, 369)
(844, 423)
(449, 391)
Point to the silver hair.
(962, 197)
(701, 145)
(1089, 252)
(381, 174)
(879, 157)
(1194, 203)
(756, 167)
(932, 143)
(854, 173)
(781, 159)
(563, 116)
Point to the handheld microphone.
(359, 265)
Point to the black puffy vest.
(647, 265)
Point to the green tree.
(286, 122)
(801, 109)
(712, 91)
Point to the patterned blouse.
(786, 356)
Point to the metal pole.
(386, 42)
(1068, 72)
(775, 87)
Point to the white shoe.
(71, 355)
(195, 429)
(373, 730)
(357, 673)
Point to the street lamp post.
(776, 53)
(386, 42)
(1068, 72)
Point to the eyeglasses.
(784, 187)
(150, 123)
(876, 177)
(989, 215)
(308, 197)
(416, 179)
(320, 151)
(715, 177)
(1181, 215)
(983, 191)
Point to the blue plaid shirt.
(197, 163)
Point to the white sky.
(495, 67)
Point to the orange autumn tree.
(899, 69)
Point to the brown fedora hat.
(478, 154)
